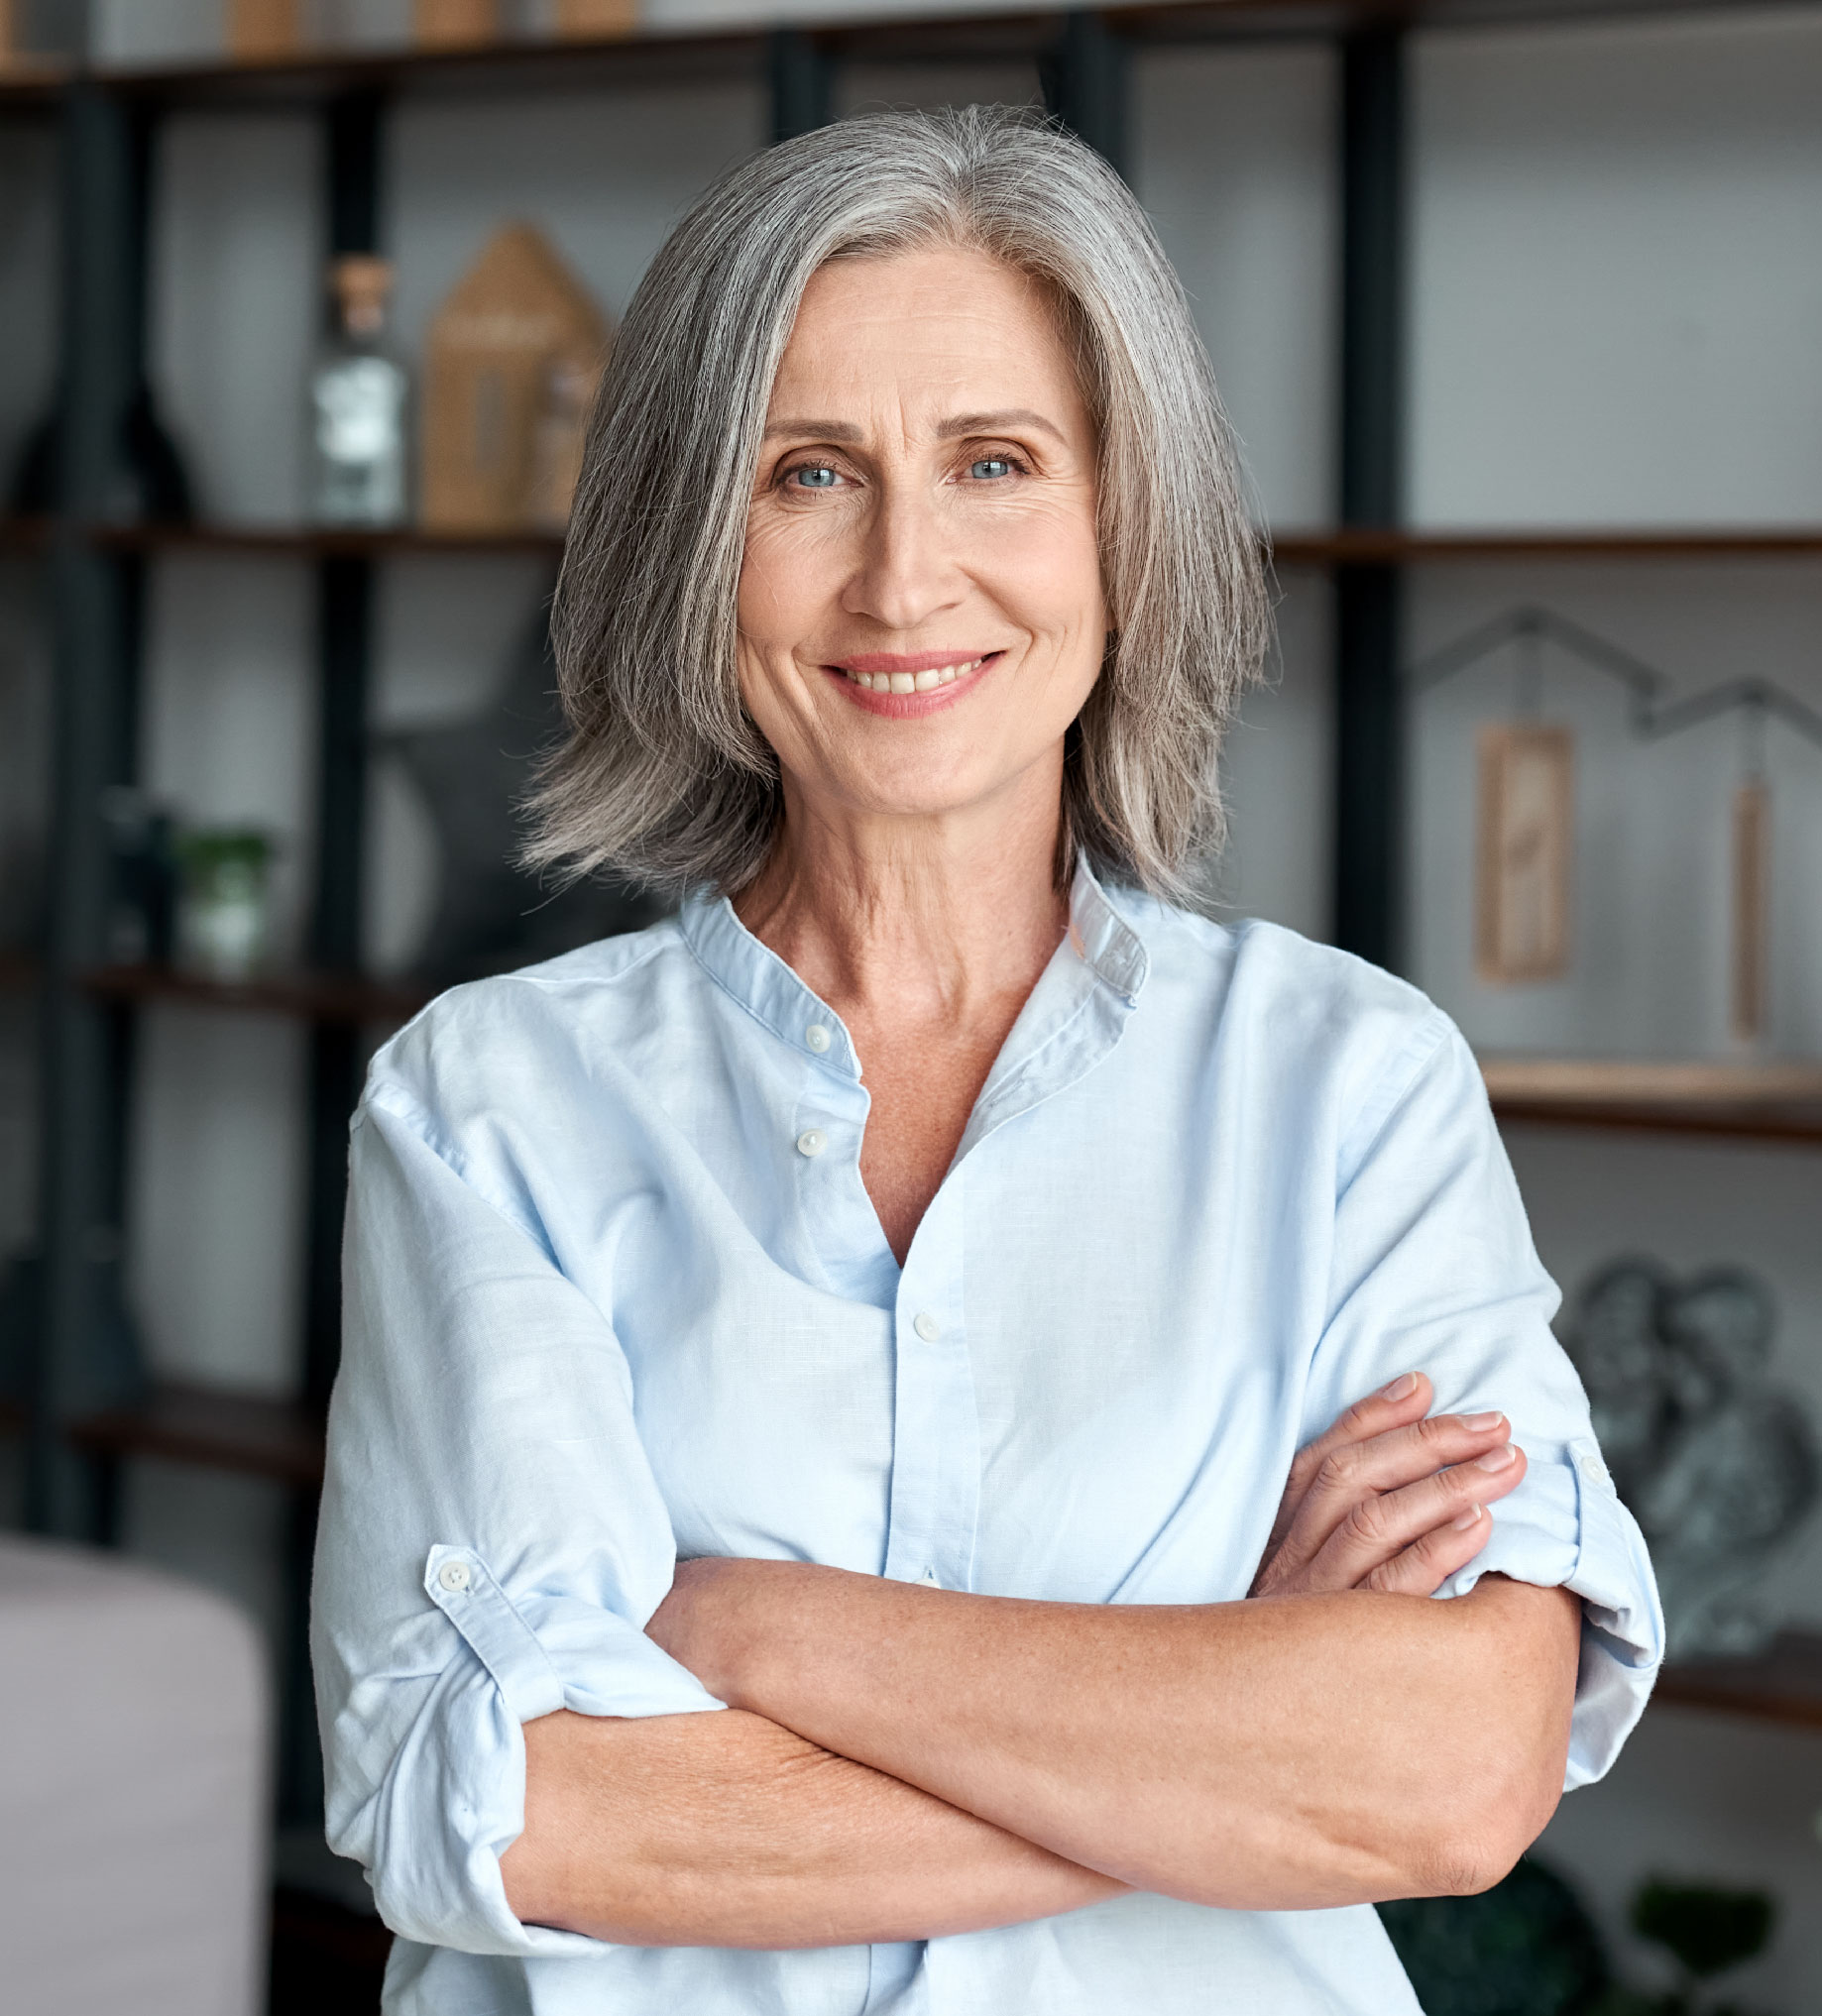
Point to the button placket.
(936, 1438)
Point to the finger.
(1388, 1462)
(1401, 1400)
(1379, 1528)
(1428, 1562)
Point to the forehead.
(927, 322)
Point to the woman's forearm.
(724, 1830)
(1294, 1752)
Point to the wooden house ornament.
(511, 362)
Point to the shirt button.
(454, 1576)
(1592, 1465)
(812, 1141)
(927, 1326)
(817, 1038)
(929, 1579)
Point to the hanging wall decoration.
(509, 373)
(1525, 867)
(1751, 891)
(1523, 849)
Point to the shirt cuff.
(457, 1794)
(1565, 1527)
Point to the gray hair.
(663, 775)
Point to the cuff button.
(454, 1576)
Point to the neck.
(912, 920)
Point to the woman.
(933, 1239)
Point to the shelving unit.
(79, 1438)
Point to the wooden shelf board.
(1782, 1685)
(314, 541)
(1780, 1102)
(210, 1428)
(645, 58)
(20, 533)
(1368, 545)
(316, 997)
(1364, 546)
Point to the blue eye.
(989, 467)
(813, 476)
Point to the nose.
(906, 569)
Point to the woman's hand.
(1391, 1499)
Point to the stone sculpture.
(1719, 1467)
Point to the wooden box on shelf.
(264, 31)
(595, 20)
(455, 23)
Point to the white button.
(454, 1576)
(1592, 1465)
(812, 1141)
(817, 1038)
(929, 1579)
(926, 1326)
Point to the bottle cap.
(362, 283)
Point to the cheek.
(1047, 575)
(788, 573)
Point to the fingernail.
(1478, 1423)
(1402, 1387)
(1470, 1517)
(1497, 1459)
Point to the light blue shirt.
(616, 1294)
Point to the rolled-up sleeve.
(1434, 1271)
(492, 1539)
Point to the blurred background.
(1516, 307)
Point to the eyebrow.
(958, 429)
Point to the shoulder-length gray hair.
(663, 775)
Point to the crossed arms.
(901, 1762)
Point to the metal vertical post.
(803, 84)
(344, 660)
(344, 652)
(1369, 731)
(1084, 76)
(84, 1358)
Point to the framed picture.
(1523, 854)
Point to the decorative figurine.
(1719, 1467)
(491, 915)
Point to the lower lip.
(913, 705)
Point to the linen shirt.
(616, 1295)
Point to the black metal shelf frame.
(109, 128)
(108, 140)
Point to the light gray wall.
(1615, 302)
(1619, 272)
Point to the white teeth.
(913, 682)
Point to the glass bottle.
(360, 406)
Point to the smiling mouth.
(926, 680)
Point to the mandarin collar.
(1104, 945)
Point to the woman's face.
(920, 610)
